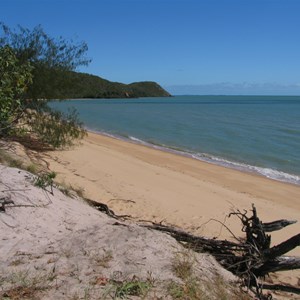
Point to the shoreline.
(274, 163)
(154, 185)
(207, 158)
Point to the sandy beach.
(46, 234)
(150, 184)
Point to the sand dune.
(57, 247)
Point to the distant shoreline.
(179, 95)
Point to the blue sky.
(187, 46)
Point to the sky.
(187, 46)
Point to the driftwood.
(277, 225)
(283, 248)
(283, 263)
(105, 209)
(251, 258)
(4, 201)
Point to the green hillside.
(82, 85)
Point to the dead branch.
(4, 201)
(283, 263)
(283, 247)
(123, 200)
(282, 287)
(249, 259)
(104, 208)
(277, 225)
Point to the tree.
(50, 57)
(38, 63)
(14, 81)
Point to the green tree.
(14, 81)
(50, 57)
(42, 64)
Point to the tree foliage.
(14, 81)
(50, 57)
(33, 66)
(56, 128)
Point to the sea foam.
(266, 172)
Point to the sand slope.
(57, 247)
(153, 185)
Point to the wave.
(266, 172)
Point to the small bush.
(104, 259)
(132, 288)
(182, 264)
(45, 180)
(32, 168)
(24, 286)
(9, 160)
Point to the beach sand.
(58, 247)
(154, 185)
(147, 184)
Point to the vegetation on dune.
(15, 78)
(31, 65)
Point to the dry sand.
(57, 247)
(150, 184)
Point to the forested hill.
(81, 85)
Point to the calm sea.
(259, 134)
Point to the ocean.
(259, 134)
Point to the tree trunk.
(283, 263)
(283, 248)
(277, 225)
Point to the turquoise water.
(258, 134)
